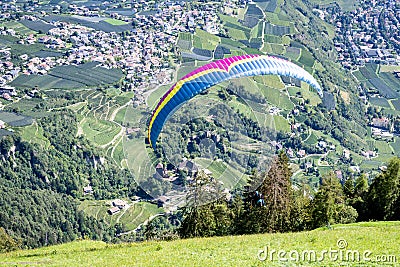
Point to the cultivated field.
(131, 217)
(70, 77)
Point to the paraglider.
(216, 72)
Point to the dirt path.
(118, 135)
(115, 112)
(149, 92)
(113, 149)
(122, 213)
(263, 30)
(80, 130)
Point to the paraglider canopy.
(216, 72)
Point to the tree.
(197, 222)
(328, 205)
(7, 243)
(348, 188)
(358, 199)
(384, 194)
(300, 213)
(361, 186)
(160, 228)
(269, 207)
(205, 213)
(396, 125)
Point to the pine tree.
(268, 209)
(359, 201)
(300, 214)
(384, 193)
(328, 205)
(7, 243)
(205, 213)
(349, 188)
(329, 194)
(361, 186)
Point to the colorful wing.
(216, 72)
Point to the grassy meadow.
(376, 243)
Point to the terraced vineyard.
(98, 131)
(131, 217)
(102, 117)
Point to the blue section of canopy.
(217, 72)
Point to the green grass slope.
(374, 242)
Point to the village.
(370, 33)
(146, 53)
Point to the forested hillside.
(41, 186)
